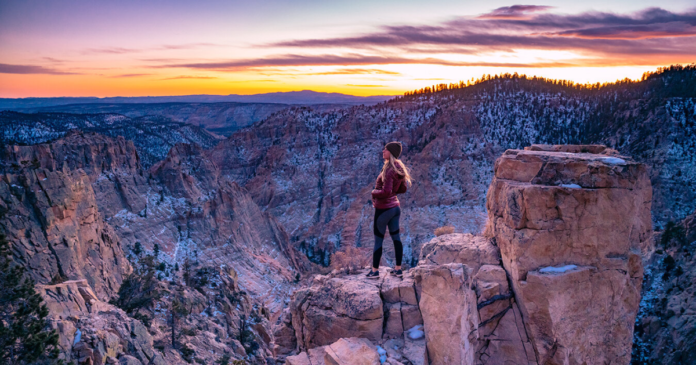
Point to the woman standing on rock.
(394, 179)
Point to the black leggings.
(383, 218)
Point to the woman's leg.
(379, 238)
(394, 233)
(382, 219)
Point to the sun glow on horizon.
(391, 80)
(147, 50)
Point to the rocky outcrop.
(555, 280)
(338, 306)
(571, 228)
(345, 351)
(94, 332)
(335, 308)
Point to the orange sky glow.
(86, 48)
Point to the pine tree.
(141, 288)
(24, 336)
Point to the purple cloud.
(293, 60)
(515, 11)
(165, 47)
(31, 69)
(652, 31)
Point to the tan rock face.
(351, 351)
(468, 249)
(571, 228)
(469, 311)
(350, 306)
(345, 351)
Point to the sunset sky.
(153, 47)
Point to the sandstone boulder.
(466, 248)
(341, 307)
(351, 351)
(572, 228)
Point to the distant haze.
(305, 97)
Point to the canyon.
(235, 231)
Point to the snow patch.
(78, 337)
(561, 269)
(382, 354)
(571, 186)
(416, 332)
(613, 160)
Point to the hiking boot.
(397, 273)
(372, 275)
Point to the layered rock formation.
(556, 279)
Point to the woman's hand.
(386, 187)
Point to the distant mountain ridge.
(153, 136)
(307, 97)
(219, 118)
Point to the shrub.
(57, 279)
(247, 337)
(187, 353)
(673, 232)
(350, 259)
(443, 230)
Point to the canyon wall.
(83, 209)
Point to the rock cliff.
(51, 216)
(556, 279)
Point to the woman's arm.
(402, 188)
(386, 187)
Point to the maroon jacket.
(384, 195)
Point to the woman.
(394, 179)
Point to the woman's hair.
(399, 167)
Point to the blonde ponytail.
(399, 167)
